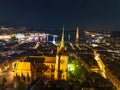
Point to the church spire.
(61, 48)
(77, 35)
(69, 37)
(62, 39)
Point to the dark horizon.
(67, 28)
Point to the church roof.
(42, 59)
(25, 66)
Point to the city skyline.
(30, 60)
(93, 14)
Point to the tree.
(76, 72)
(4, 80)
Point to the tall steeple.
(77, 35)
(62, 39)
(69, 37)
(61, 60)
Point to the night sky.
(83, 13)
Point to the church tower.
(62, 40)
(77, 35)
(61, 61)
(69, 37)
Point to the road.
(105, 72)
(8, 73)
(100, 63)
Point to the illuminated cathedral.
(34, 67)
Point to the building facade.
(54, 68)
